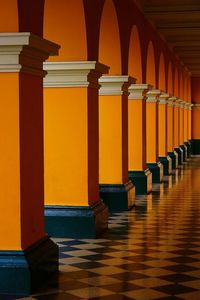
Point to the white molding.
(152, 96)
(115, 85)
(177, 102)
(24, 52)
(171, 101)
(73, 73)
(163, 98)
(138, 91)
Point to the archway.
(150, 66)
(170, 79)
(162, 78)
(176, 83)
(109, 39)
(65, 25)
(135, 60)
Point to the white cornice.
(138, 91)
(24, 52)
(152, 96)
(115, 85)
(74, 73)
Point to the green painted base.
(76, 221)
(167, 165)
(195, 145)
(188, 145)
(21, 272)
(179, 151)
(157, 171)
(174, 157)
(118, 197)
(142, 181)
(184, 148)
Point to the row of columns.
(141, 137)
(104, 138)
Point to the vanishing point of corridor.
(150, 252)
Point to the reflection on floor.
(151, 252)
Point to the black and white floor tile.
(150, 252)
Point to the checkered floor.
(151, 252)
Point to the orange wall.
(9, 17)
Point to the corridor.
(150, 252)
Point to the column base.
(179, 151)
(157, 171)
(76, 221)
(21, 272)
(188, 145)
(142, 181)
(174, 157)
(118, 197)
(167, 165)
(184, 148)
(195, 147)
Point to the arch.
(176, 83)
(161, 78)
(150, 66)
(65, 24)
(135, 58)
(189, 89)
(181, 85)
(170, 79)
(185, 86)
(109, 39)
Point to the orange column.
(195, 128)
(186, 139)
(162, 134)
(177, 122)
(71, 132)
(139, 174)
(115, 188)
(23, 256)
(170, 132)
(182, 129)
(152, 135)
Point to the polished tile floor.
(150, 252)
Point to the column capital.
(177, 102)
(115, 85)
(74, 73)
(183, 104)
(138, 91)
(163, 98)
(152, 95)
(171, 101)
(24, 52)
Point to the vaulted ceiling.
(178, 21)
